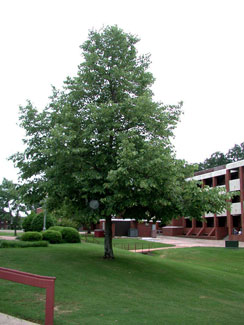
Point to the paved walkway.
(189, 242)
(8, 237)
(10, 320)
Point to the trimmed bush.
(37, 222)
(56, 228)
(22, 244)
(31, 236)
(26, 224)
(70, 235)
(54, 237)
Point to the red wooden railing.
(34, 280)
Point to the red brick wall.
(144, 229)
(168, 231)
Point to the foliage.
(54, 237)
(103, 138)
(11, 204)
(65, 222)
(197, 201)
(70, 235)
(218, 158)
(38, 220)
(56, 228)
(26, 224)
(236, 153)
(22, 244)
(31, 236)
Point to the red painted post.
(34, 280)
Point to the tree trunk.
(108, 248)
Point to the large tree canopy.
(103, 139)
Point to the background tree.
(103, 139)
(11, 205)
(236, 153)
(218, 158)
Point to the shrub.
(54, 237)
(37, 222)
(56, 228)
(70, 235)
(31, 236)
(22, 244)
(26, 224)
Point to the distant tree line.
(219, 158)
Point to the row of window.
(220, 180)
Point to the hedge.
(22, 244)
(56, 228)
(31, 236)
(54, 237)
(70, 235)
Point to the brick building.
(129, 227)
(227, 223)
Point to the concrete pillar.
(229, 217)
(241, 175)
(215, 216)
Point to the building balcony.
(209, 215)
(222, 214)
(234, 185)
(236, 208)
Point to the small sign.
(94, 204)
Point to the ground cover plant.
(176, 286)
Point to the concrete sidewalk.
(189, 242)
(10, 320)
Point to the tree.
(217, 159)
(196, 201)
(11, 205)
(236, 153)
(103, 139)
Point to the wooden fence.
(34, 280)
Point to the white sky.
(197, 49)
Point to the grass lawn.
(5, 233)
(125, 243)
(175, 286)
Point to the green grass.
(4, 233)
(176, 286)
(22, 244)
(125, 243)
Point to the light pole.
(45, 215)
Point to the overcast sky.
(197, 53)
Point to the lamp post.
(45, 215)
